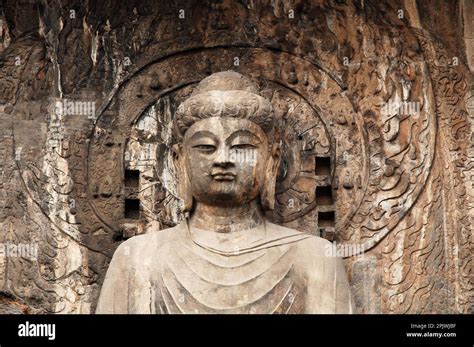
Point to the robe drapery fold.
(268, 270)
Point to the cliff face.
(375, 104)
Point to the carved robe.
(270, 269)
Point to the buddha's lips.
(223, 176)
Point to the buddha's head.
(226, 153)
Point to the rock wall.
(374, 100)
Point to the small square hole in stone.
(326, 219)
(132, 178)
(322, 166)
(132, 209)
(324, 195)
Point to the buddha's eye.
(243, 146)
(205, 148)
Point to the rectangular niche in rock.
(132, 178)
(326, 219)
(324, 195)
(322, 166)
(132, 209)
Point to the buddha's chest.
(196, 280)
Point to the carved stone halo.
(328, 146)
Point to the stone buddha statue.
(226, 257)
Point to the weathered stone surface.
(396, 182)
(226, 257)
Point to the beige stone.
(226, 257)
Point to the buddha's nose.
(222, 158)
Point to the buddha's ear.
(267, 197)
(183, 184)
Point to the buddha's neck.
(226, 219)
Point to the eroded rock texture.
(374, 100)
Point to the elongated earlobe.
(267, 197)
(183, 184)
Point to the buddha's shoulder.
(149, 243)
(315, 244)
(314, 257)
(303, 241)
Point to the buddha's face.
(226, 160)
